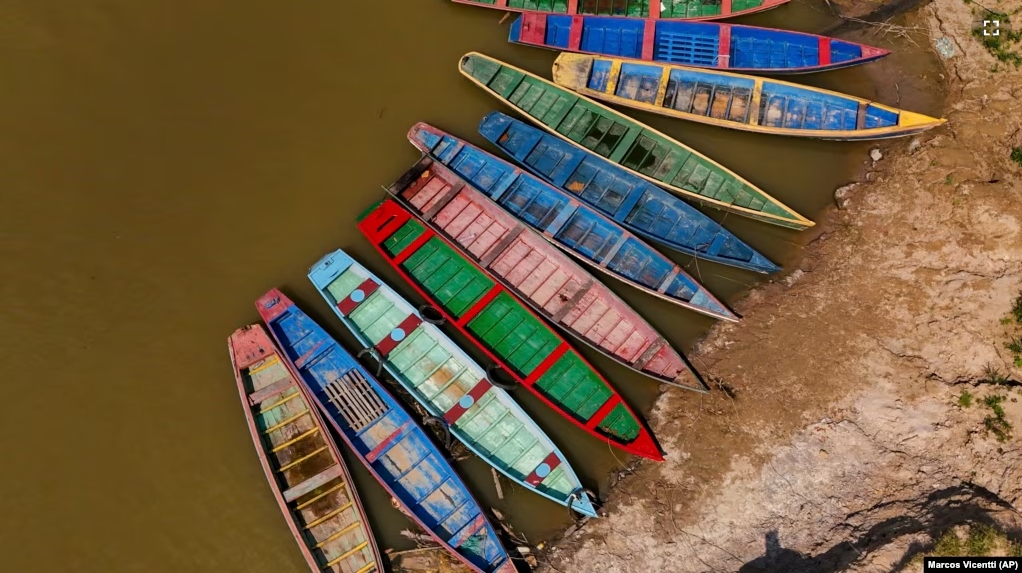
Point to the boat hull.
(448, 383)
(732, 47)
(314, 492)
(626, 142)
(689, 10)
(573, 226)
(520, 344)
(538, 273)
(384, 437)
(735, 101)
(633, 202)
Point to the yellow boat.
(736, 101)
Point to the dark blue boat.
(392, 446)
(577, 228)
(722, 46)
(630, 200)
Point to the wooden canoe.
(384, 437)
(301, 461)
(691, 10)
(448, 383)
(539, 274)
(626, 142)
(745, 49)
(575, 227)
(735, 101)
(520, 343)
(630, 200)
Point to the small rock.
(914, 145)
(842, 192)
(945, 47)
(793, 277)
(875, 154)
(871, 176)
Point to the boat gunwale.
(767, 5)
(645, 434)
(796, 220)
(730, 317)
(271, 475)
(611, 295)
(499, 393)
(834, 134)
(368, 465)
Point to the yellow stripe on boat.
(305, 504)
(269, 362)
(367, 568)
(286, 422)
(339, 533)
(328, 516)
(347, 554)
(295, 439)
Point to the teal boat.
(446, 381)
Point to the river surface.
(165, 163)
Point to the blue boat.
(448, 383)
(575, 227)
(633, 202)
(722, 46)
(392, 446)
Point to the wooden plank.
(501, 246)
(315, 482)
(613, 250)
(824, 51)
(667, 281)
(289, 420)
(311, 354)
(347, 554)
(302, 459)
(724, 47)
(650, 352)
(339, 533)
(296, 439)
(270, 391)
(570, 304)
(382, 447)
(534, 28)
(357, 296)
(327, 516)
(860, 119)
(452, 192)
(575, 33)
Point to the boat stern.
(572, 70)
(250, 344)
(583, 505)
(329, 268)
(425, 137)
(870, 53)
(761, 264)
(273, 304)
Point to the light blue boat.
(392, 446)
(446, 381)
(633, 202)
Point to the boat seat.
(313, 483)
(267, 392)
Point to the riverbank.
(863, 407)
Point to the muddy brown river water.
(165, 163)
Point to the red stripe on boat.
(654, 9)
(575, 34)
(725, 7)
(724, 47)
(399, 333)
(546, 364)
(467, 401)
(533, 29)
(378, 450)
(604, 410)
(357, 296)
(501, 4)
(543, 469)
(572, 7)
(308, 355)
(824, 51)
(479, 305)
(648, 36)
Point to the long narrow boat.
(736, 101)
(630, 200)
(521, 345)
(301, 461)
(622, 140)
(747, 49)
(691, 10)
(538, 273)
(447, 382)
(575, 227)
(391, 445)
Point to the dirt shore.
(852, 421)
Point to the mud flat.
(868, 403)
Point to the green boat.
(626, 142)
(446, 381)
(521, 345)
